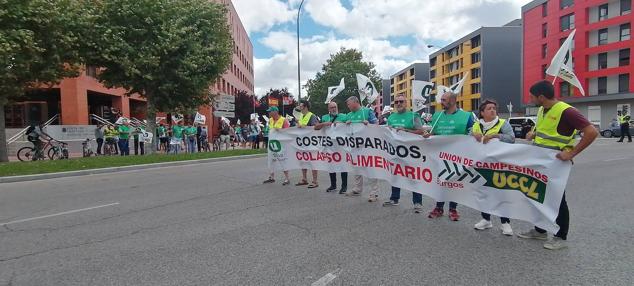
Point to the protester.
(161, 131)
(177, 137)
(308, 119)
(110, 133)
(225, 130)
(244, 133)
(199, 130)
(204, 139)
(139, 144)
(99, 135)
(277, 122)
(328, 120)
(254, 134)
(624, 122)
(557, 124)
(490, 126)
(364, 115)
(124, 138)
(450, 121)
(265, 135)
(190, 136)
(407, 121)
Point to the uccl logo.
(275, 146)
(532, 188)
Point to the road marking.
(323, 281)
(616, 159)
(58, 214)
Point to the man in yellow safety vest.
(307, 119)
(557, 124)
(277, 122)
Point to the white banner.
(511, 180)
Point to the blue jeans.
(396, 195)
(124, 147)
(452, 205)
(191, 144)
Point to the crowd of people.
(557, 125)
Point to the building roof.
(532, 5)
(408, 68)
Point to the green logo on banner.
(532, 188)
(275, 146)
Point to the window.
(475, 88)
(565, 89)
(544, 68)
(411, 72)
(563, 4)
(624, 57)
(567, 22)
(544, 30)
(475, 58)
(603, 85)
(432, 61)
(544, 51)
(603, 61)
(603, 12)
(626, 7)
(545, 9)
(475, 73)
(432, 74)
(475, 104)
(624, 82)
(603, 36)
(475, 42)
(626, 29)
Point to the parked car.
(522, 125)
(615, 131)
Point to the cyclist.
(36, 135)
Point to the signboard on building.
(71, 132)
(225, 106)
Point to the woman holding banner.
(490, 126)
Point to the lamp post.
(299, 82)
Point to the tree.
(285, 101)
(344, 64)
(39, 45)
(169, 52)
(245, 106)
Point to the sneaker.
(353, 194)
(342, 191)
(437, 212)
(533, 234)
(506, 229)
(270, 180)
(483, 224)
(373, 198)
(418, 208)
(555, 243)
(390, 203)
(331, 189)
(453, 215)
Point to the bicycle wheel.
(26, 154)
(54, 154)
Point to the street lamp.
(299, 82)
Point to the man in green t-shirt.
(406, 121)
(359, 114)
(177, 137)
(124, 137)
(190, 138)
(332, 118)
(450, 121)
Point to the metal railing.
(23, 131)
(100, 119)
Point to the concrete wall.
(612, 86)
(501, 65)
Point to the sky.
(391, 33)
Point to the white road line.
(616, 159)
(58, 214)
(323, 281)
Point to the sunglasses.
(399, 101)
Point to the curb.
(25, 178)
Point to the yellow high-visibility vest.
(546, 134)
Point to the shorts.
(224, 138)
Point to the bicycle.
(86, 147)
(204, 142)
(30, 154)
(109, 147)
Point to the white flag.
(177, 118)
(121, 119)
(254, 116)
(366, 89)
(420, 94)
(266, 118)
(200, 119)
(561, 64)
(297, 114)
(159, 119)
(335, 90)
(457, 87)
(386, 109)
(440, 90)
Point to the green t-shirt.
(451, 124)
(359, 116)
(161, 131)
(341, 117)
(189, 131)
(407, 120)
(124, 132)
(265, 131)
(177, 131)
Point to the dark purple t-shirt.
(571, 120)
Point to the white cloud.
(260, 15)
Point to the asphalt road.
(216, 224)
